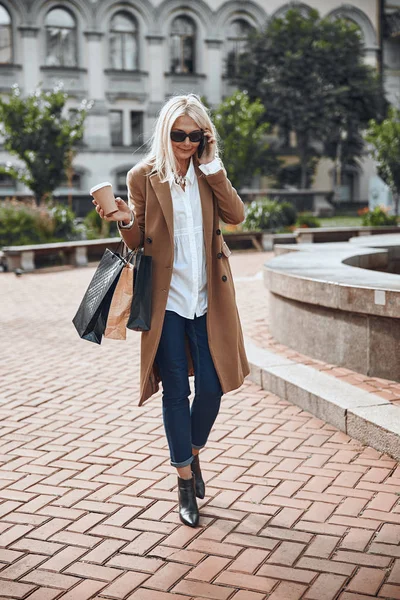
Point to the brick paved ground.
(294, 508)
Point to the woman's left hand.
(209, 149)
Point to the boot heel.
(188, 511)
(198, 478)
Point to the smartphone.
(201, 147)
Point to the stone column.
(371, 57)
(30, 58)
(214, 70)
(156, 66)
(97, 126)
(126, 127)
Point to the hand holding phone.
(201, 147)
(206, 149)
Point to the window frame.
(124, 34)
(182, 38)
(8, 26)
(139, 141)
(7, 182)
(232, 47)
(121, 115)
(77, 176)
(75, 40)
(119, 175)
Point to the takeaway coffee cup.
(104, 196)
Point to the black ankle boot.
(198, 478)
(188, 511)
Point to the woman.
(177, 196)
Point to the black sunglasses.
(180, 136)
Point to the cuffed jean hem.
(198, 447)
(185, 463)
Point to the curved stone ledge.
(328, 301)
(389, 241)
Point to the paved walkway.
(294, 509)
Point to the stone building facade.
(130, 55)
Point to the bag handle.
(137, 253)
(123, 252)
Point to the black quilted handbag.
(91, 318)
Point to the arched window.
(6, 182)
(61, 38)
(5, 36)
(183, 40)
(72, 180)
(123, 42)
(238, 32)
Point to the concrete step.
(367, 417)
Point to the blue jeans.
(187, 427)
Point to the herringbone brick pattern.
(294, 509)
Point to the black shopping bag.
(140, 315)
(91, 318)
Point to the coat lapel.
(207, 207)
(163, 193)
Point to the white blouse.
(188, 290)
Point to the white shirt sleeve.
(212, 167)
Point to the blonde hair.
(161, 156)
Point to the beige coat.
(153, 227)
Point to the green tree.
(35, 130)
(384, 140)
(309, 73)
(242, 127)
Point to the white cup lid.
(99, 186)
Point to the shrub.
(268, 214)
(21, 224)
(289, 213)
(64, 222)
(378, 217)
(96, 227)
(25, 223)
(307, 220)
(363, 211)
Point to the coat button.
(218, 232)
(149, 240)
(224, 278)
(219, 255)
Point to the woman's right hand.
(123, 213)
